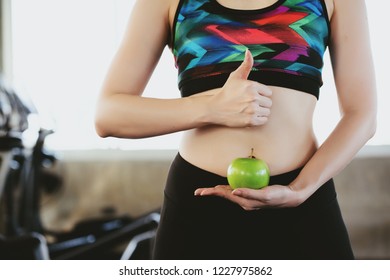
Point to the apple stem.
(252, 156)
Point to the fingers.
(242, 72)
(227, 192)
(263, 101)
(220, 190)
(263, 89)
(259, 195)
(259, 102)
(275, 196)
(258, 110)
(243, 102)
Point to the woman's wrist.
(304, 187)
(203, 113)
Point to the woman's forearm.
(239, 103)
(349, 136)
(128, 116)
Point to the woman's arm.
(123, 112)
(355, 81)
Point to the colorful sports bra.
(287, 40)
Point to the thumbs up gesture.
(241, 102)
(243, 71)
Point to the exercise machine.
(24, 176)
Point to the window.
(61, 51)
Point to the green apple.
(248, 172)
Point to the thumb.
(242, 72)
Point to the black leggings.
(208, 227)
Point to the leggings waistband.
(184, 178)
(284, 178)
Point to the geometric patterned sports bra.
(287, 40)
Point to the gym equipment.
(23, 177)
(31, 246)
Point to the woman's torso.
(285, 142)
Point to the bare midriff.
(286, 142)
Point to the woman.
(249, 75)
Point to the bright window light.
(62, 48)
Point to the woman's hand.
(241, 102)
(275, 196)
